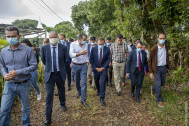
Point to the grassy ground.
(120, 111)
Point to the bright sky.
(11, 10)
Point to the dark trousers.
(101, 87)
(160, 78)
(136, 81)
(55, 78)
(110, 74)
(68, 73)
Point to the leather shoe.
(132, 94)
(102, 102)
(84, 103)
(64, 108)
(78, 95)
(97, 93)
(119, 93)
(47, 122)
(138, 100)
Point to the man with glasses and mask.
(79, 55)
(17, 62)
(119, 52)
(53, 56)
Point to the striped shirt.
(118, 52)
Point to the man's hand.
(7, 77)
(82, 53)
(110, 64)
(13, 74)
(70, 65)
(151, 76)
(101, 69)
(128, 74)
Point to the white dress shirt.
(76, 48)
(56, 49)
(161, 56)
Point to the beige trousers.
(90, 75)
(118, 69)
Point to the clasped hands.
(10, 75)
(100, 69)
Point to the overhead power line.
(52, 10)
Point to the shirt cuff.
(18, 72)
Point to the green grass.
(174, 101)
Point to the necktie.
(54, 60)
(139, 63)
(100, 59)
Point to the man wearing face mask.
(109, 77)
(158, 64)
(17, 62)
(119, 52)
(53, 56)
(136, 61)
(79, 55)
(100, 62)
(62, 40)
(89, 72)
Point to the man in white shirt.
(79, 55)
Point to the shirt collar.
(54, 46)
(19, 47)
(161, 47)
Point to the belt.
(78, 63)
(20, 82)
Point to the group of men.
(92, 60)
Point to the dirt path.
(119, 111)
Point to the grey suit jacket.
(47, 61)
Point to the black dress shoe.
(84, 103)
(132, 94)
(47, 122)
(102, 102)
(119, 93)
(64, 108)
(78, 95)
(97, 93)
(138, 100)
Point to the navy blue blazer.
(132, 61)
(47, 61)
(89, 52)
(94, 58)
(68, 58)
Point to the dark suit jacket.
(68, 58)
(47, 61)
(89, 47)
(132, 61)
(94, 58)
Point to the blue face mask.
(12, 41)
(62, 41)
(93, 43)
(139, 50)
(161, 42)
(108, 44)
(101, 46)
(83, 42)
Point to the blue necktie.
(54, 60)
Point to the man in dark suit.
(100, 62)
(136, 61)
(62, 38)
(53, 56)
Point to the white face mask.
(53, 41)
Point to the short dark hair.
(120, 36)
(130, 40)
(12, 28)
(101, 39)
(80, 36)
(124, 37)
(140, 43)
(71, 39)
(161, 33)
(92, 38)
(27, 42)
(108, 38)
(62, 34)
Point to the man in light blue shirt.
(79, 55)
(17, 62)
